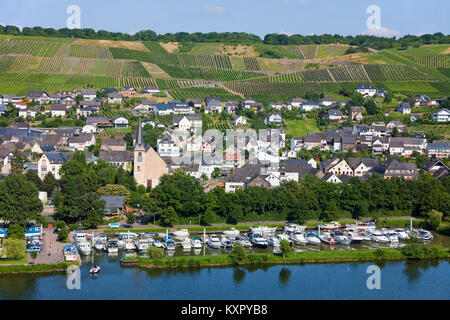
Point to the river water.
(398, 280)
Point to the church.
(148, 165)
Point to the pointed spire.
(139, 139)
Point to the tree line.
(233, 37)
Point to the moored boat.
(214, 242)
(312, 238)
(84, 247)
(196, 243)
(258, 240)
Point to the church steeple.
(139, 138)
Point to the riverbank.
(305, 257)
(36, 268)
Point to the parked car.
(33, 248)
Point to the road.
(50, 245)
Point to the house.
(363, 166)
(327, 101)
(100, 123)
(58, 110)
(110, 144)
(89, 128)
(114, 205)
(39, 96)
(151, 90)
(145, 106)
(188, 122)
(88, 95)
(195, 103)
(439, 149)
(82, 141)
(348, 143)
(119, 158)
(380, 145)
(213, 105)
(404, 108)
(127, 91)
(179, 107)
(67, 100)
(356, 113)
(331, 178)
(114, 97)
(280, 105)
(52, 162)
(273, 118)
(309, 106)
(166, 147)
(86, 111)
(296, 102)
(9, 98)
(432, 165)
(232, 106)
(119, 122)
(334, 114)
(149, 167)
(337, 167)
(441, 115)
(149, 122)
(381, 93)
(239, 121)
(392, 168)
(396, 124)
(366, 90)
(28, 113)
(93, 104)
(248, 103)
(406, 145)
(162, 109)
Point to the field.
(300, 128)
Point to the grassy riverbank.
(325, 256)
(35, 268)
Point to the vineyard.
(308, 51)
(182, 94)
(209, 123)
(251, 64)
(95, 52)
(29, 47)
(432, 60)
(295, 50)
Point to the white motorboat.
(355, 237)
(186, 244)
(129, 245)
(365, 235)
(298, 238)
(95, 269)
(391, 235)
(402, 234)
(214, 242)
(258, 240)
(333, 225)
(101, 237)
(112, 246)
(232, 233)
(340, 238)
(99, 245)
(424, 234)
(292, 227)
(169, 244)
(379, 237)
(158, 244)
(142, 245)
(226, 243)
(263, 230)
(181, 233)
(80, 237)
(196, 244)
(245, 242)
(274, 242)
(84, 247)
(327, 238)
(312, 238)
(283, 236)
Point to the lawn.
(299, 128)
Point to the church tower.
(139, 155)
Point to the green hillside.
(256, 69)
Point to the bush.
(15, 231)
(433, 219)
(60, 225)
(155, 253)
(14, 249)
(62, 234)
(238, 255)
(285, 248)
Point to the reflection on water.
(284, 276)
(413, 268)
(238, 275)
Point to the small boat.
(274, 242)
(365, 235)
(148, 235)
(186, 244)
(158, 244)
(232, 233)
(391, 235)
(129, 245)
(327, 238)
(292, 227)
(85, 248)
(214, 242)
(112, 246)
(333, 225)
(243, 241)
(181, 233)
(169, 244)
(142, 245)
(312, 238)
(340, 238)
(196, 244)
(283, 236)
(99, 245)
(227, 244)
(379, 237)
(355, 237)
(95, 268)
(298, 238)
(258, 240)
(263, 230)
(402, 234)
(424, 234)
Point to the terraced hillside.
(201, 69)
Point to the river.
(398, 280)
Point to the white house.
(366, 90)
(239, 121)
(273, 118)
(119, 122)
(27, 113)
(114, 97)
(404, 108)
(441, 115)
(58, 110)
(309, 106)
(88, 95)
(89, 128)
